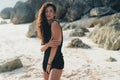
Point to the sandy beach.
(80, 64)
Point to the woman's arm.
(51, 43)
(56, 34)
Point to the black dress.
(58, 61)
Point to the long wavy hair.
(43, 28)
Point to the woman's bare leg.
(55, 74)
(46, 76)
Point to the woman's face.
(50, 13)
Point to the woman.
(51, 38)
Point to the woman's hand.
(44, 47)
(51, 43)
(48, 68)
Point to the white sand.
(80, 64)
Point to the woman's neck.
(50, 21)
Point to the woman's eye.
(51, 11)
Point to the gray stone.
(22, 13)
(101, 11)
(77, 33)
(74, 12)
(35, 4)
(32, 30)
(67, 26)
(77, 43)
(105, 19)
(82, 28)
(111, 59)
(94, 3)
(76, 9)
(107, 36)
(114, 4)
(3, 22)
(10, 64)
(6, 13)
(69, 10)
(61, 8)
(83, 23)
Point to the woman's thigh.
(55, 74)
(46, 76)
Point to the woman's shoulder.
(55, 23)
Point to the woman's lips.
(48, 16)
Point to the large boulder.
(82, 23)
(74, 12)
(114, 4)
(35, 4)
(22, 13)
(10, 64)
(105, 19)
(32, 30)
(76, 9)
(70, 10)
(61, 8)
(94, 3)
(6, 13)
(101, 11)
(107, 36)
